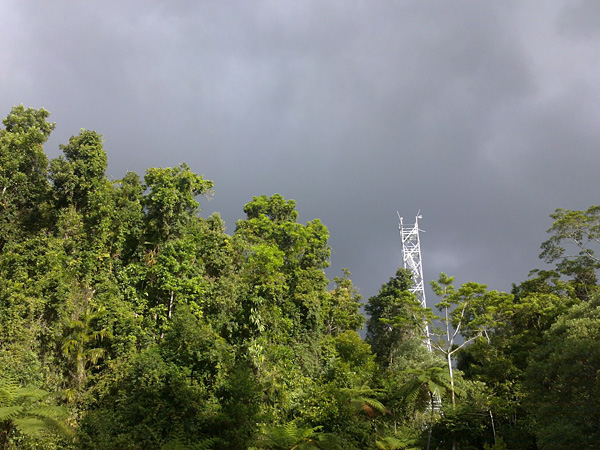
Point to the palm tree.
(79, 344)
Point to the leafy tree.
(578, 228)
(80, 171)
(469, 311)
(23, 171)
(470, 422)
(343, 311)
(128, 218)
(396, 318)
(501, 361)
(170, 200)
(284, 265)
(144, 403)
(575, 237)
(562, 381)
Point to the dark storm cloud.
(481, 114)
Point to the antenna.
(411, 257)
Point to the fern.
(10, 412)
(289, 437)
(361, 400)
(394, 443)
(180, 444)
(23, 408)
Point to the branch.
(587, 252)
(468, 341)
(436, 346)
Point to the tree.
(80, 344)
(170, 200)
(469, 311)
(578, 228)
(342, 313)
(574, 242)
(396, 318)
(80, 171)
(145, 402)
(284, 262)
(23, 171)
(563, 381)
(429, 384)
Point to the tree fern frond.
(375, 404)
(394, 443)
(288, 436)
(389, 443)
(30, 426)
(29, 395)
(9, 412)
(49, 411)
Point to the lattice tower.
(411, 256)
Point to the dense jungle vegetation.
(127, 321)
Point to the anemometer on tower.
(411, 256)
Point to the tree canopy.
(129, 321)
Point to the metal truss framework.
(411, 256)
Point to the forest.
(128, 321)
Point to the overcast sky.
(482, 114)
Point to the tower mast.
(411, 256)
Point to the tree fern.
(23, 408)
(180, 444)
(394, 443)
(290, 436)
(361, 399)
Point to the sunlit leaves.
(170, 200)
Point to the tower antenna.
(411, 257)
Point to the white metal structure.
(411, 256)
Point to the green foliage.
(170, 200)
(80, 344)
(80, 171)
(395, 318)
(575, 237)
(28, 412)
(167, 333)
(23, 172)
(342, 313)
(290, 436)
(147, 393)
(563, 380)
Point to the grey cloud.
(354, 109)
(580, 18)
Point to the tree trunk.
(170, 311)
(451, 379)
(493, 427)
(432, 399)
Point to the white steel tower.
(411, 256)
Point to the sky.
(483, 116)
